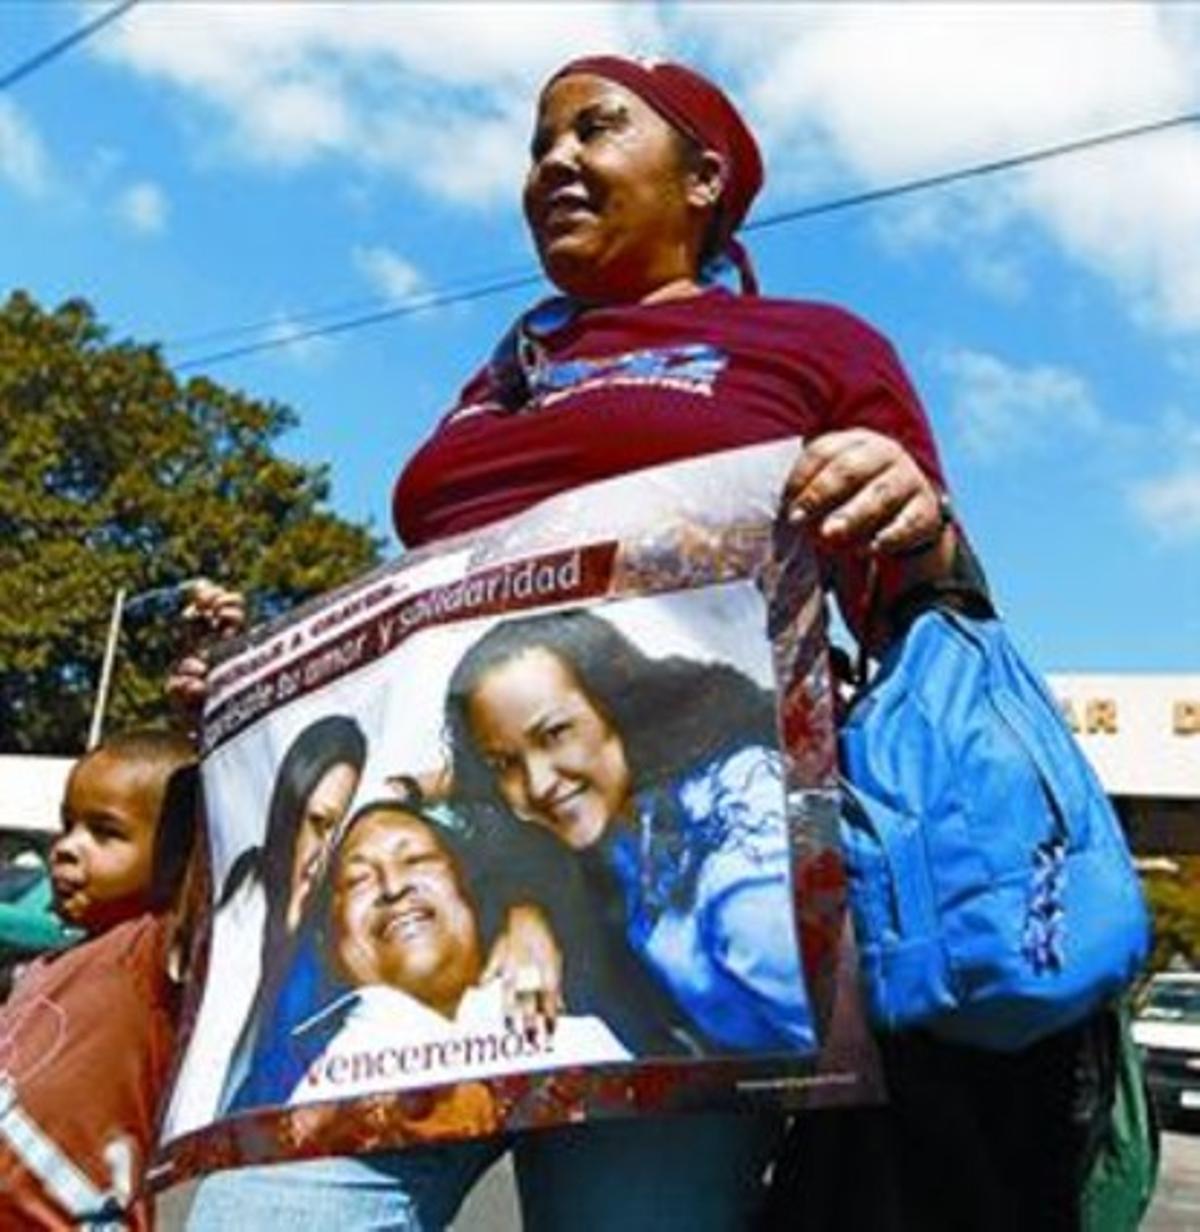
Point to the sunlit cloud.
(24, 162)
(1168, 503)
(296, 341)
(843, 96)
(1000, 409)
(436, 93)
(887, 92)
(388, 272)
(143, 208)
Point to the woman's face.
(326, 806)
(612, 208)
(556, 759)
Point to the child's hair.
(171, 758)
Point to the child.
(86, 1039)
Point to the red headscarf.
(703, 112)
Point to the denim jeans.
(699, 1173)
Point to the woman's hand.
(527, 961)
(212, 614)
(861, 489)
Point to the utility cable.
(352, 307)
(433, 300)
(940, 180)
(833, 205)
(27, 67)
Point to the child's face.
(102, 865)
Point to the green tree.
(1175, 904)
(113, 473)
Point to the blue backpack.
(993, 894)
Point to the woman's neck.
(678, 288)
(684, 287)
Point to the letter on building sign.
(1187, 718)
(1100, 717)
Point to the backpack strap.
(964, 589)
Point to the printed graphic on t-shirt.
(693, 368)
(31, 1036)
(41, 1165)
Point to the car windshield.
(1171, 1002)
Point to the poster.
(533, 826)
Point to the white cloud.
(893, 91)
(1132, 213)
(297, 341)
(1001, 276)
(388, 272)
(1169, 503)
(975, 225)
(911, 88)
(23, 160)
(1000, 409)
(143, 208)
(439, 93)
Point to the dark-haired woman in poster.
(664, 777)
(267, 888)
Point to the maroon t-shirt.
(85, 1050)
(621, 388)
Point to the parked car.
(28, 923)
(1167, 1029)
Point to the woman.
(313, 788)
(317, 779)
(267, 887)
(639, 178)
(666, 775)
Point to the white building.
(1142, 733)
(31, 791)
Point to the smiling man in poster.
(402, 932)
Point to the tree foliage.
(1175, 904)
(114, 473)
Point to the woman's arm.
(744, 907)
(869, 485)
(868, 503)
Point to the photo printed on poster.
(535, 826)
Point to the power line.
(353, 307)
(833, 205)
(64, 44)
(433, 300)
(871, 196)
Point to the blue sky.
(197, 167)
